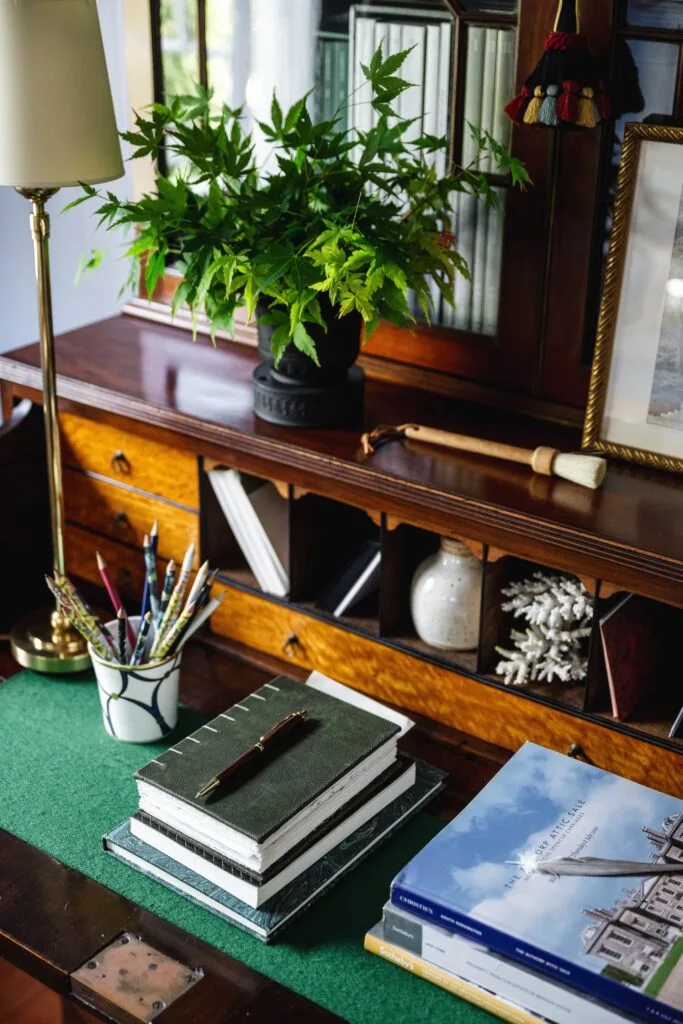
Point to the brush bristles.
(587, 470)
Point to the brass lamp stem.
(45, 641)
(40, 229)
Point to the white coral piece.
(558, 610)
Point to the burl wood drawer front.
(396, 677)
(127, 515)
(167, 472)
(125, 564)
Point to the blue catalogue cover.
(569, 869)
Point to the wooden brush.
(587, 470)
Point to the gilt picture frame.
(635, 400)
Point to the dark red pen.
(292, 721)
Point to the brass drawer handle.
(120, 463)
(293, 647)
(121, 521)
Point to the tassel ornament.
(518, 104)
(568, 103)
(548, 113)
(561, 91)
(587, 109)
(532, 112)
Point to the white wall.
(73, 234)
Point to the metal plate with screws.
(131, 980)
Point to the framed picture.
(635, 402)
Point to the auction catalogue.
(570, 870)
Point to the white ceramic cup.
(139, 702)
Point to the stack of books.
(556, 895)
(259, 519)
(281, 829)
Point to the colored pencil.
(169, 580)
(174, 634)
(199, 581)
(113, 593)
(176, 600)
(205, 592)
(123, 623)
(199, 619)
(87, 631)
(154, 538)
(82, 610)
(151, 574)
(143, 633)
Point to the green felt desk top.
(48, 721)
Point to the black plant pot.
(299, 393)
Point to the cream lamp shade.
(57, 123)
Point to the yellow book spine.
(463, 989)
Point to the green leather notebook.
(338, 743)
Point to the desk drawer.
(170, 473)
(127, 516)
(396, 677)
(125, 564)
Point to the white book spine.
(488, 90)
(443, 97)
(411, 101)
(504, 87)
(430, 123)
(464, 229)
(479, 265)
(479, 966)
(493, 262)
(360, 110)
(474, 74)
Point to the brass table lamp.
(57, 128)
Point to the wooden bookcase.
(145, 412)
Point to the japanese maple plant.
(361, 217)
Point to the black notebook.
(337, 752)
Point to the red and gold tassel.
(568, 103)
(518, 104)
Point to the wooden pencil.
(123, 624)
(113, 593)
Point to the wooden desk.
(144, 411)
(53, 919)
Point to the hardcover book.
(266, 921)
(421, 968)
(337, 752)
(258, 889)
(467, 963)
(570, 870)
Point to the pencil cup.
(139, 702)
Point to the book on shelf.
(465, 229)
(258, 517)
(478, 265)
(467, 963)
(474, 78)
(376, 943)
(257, 888)
(488, 88)
(503, 85)
(617, 939)
(267, 921)
(493, 260)
(357, 581)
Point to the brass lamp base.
(45, 642)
